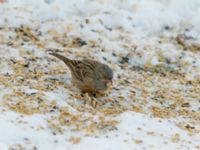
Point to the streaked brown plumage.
(88, 75)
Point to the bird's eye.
(105, 81)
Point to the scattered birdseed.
(75, 140)
(146, 79)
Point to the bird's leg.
(93, 95)
(91, 99)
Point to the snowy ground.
(153, 47)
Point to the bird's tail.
(66, 60)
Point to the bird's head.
(106, 74)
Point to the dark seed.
(167, 27)
(185, 105)
(79, 42)
(124, 60)
(104, 58)
(26, 65)
(114, 54)
(189, 126)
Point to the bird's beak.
(109, 84)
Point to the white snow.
(136, 22)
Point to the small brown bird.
(88, 75)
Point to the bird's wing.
(83, 70)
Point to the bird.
(89, 76)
